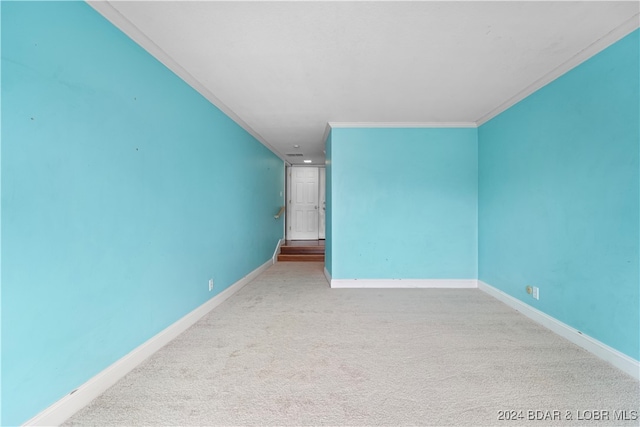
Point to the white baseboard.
(274, 258)
(404, 283)
(327, 275)
(64, 408)
(603, 351)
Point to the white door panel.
(304, 203)
(322, 204)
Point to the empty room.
(320, 213)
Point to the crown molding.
(402, 125)
(594, 48)
(114, 16)
(325, 136)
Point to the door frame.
(287, 227)
(322, 202)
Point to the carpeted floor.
(288, 350)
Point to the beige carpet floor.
(288, 350)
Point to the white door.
(304, 203)
(322, 204)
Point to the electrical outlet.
(210, 284)
(536, 292)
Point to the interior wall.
(123, 192)
(559, 198)
(403, 203)
(328, 252)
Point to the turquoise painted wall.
(404, 203)
(123, 192)
(328, 252)
(559, 198)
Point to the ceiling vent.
(295, 155)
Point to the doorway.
(305, 203)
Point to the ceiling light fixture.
(307, 161)
(296, 146)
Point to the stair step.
(301, 257)
(302, 250)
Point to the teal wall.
(403, 203)
(328, 252)
(559, 198)
(123, 192)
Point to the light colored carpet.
(288, 350)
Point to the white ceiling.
(283, 70)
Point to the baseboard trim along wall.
(327, 275)
(64, 408)
(274, 258)
(603, 351)
(403, 283)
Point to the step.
(301, 257)
(302, 250)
